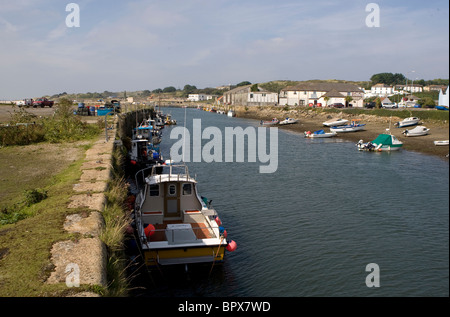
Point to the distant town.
(385, 90)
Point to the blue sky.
(136, 45)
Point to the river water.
(312, 227)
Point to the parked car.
(389, 105)
(337, 105)
(42, 102)
(370, 105)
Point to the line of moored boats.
(171, 222)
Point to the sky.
(137, 45)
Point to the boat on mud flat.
(417, 131)
(353, 127)
(335, 122)
(384, 142)
(288, 121)
(407, 122)
(274, 121)
(319, 134)
(173, 223)
(441, 143)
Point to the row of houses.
(319, 94)
(303, 94)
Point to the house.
(443, 98)
(414, 88)
(308, 93)
(434, 88)
(196, 97)
(244, 96)
(381, 90)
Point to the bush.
(34, 196)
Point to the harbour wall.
(82, 261)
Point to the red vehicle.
(42, 102)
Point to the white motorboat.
(407, 122)
(335, 122)
(319, 134)
(231, 113)
(417, 131)
(440, 143)
(288, 121)
(384, 142)
(173, 223)
(353, 127)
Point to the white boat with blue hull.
(319, 134)
(407, 122)
(353, 127)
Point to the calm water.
(311, 228)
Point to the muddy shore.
(312, 121)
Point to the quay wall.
(87, 257)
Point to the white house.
(196, 97)
(321, 94)
(443, 98)
(381, 90)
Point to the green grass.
(27, 265)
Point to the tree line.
(392, 79)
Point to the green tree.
(169, 89)
(254, 88)
(243, 83)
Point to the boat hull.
(347, 128)
(325, 135)
(184, 255)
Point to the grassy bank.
(25, 245)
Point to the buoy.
(231, 246)
(219, 223)
(149, 230)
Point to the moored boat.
(440, 143)
(417, 131)
(288, 121)
(173, 224)
(274, 121)
(407, 122)
(353, 127)
(335, 122)
(384, 142)
(231, 113)
(319, 134)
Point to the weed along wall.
(90, 263)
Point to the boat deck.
(200, 230)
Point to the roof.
(334, 94)
(308, 86)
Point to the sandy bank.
(312, 120)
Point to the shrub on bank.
(25, 128)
